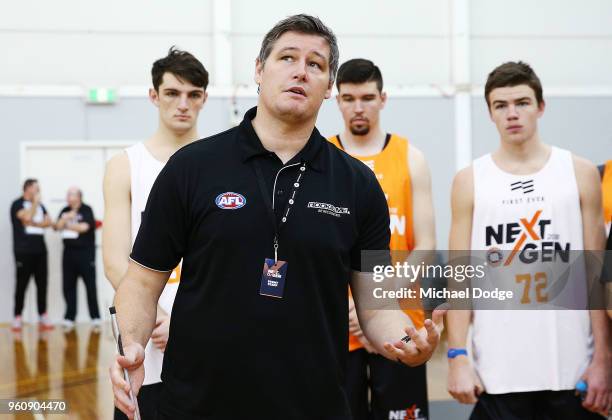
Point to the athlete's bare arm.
(463, 383)
(384, 324)
(423, 228)
(422, 210)
(598, 374)
(136, 304)
(117, 228)
(117, 233)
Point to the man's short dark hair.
(303, 24)
(359, 70)
(29, 182)
(513, 74)
(181, 64)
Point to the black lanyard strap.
(270, 204)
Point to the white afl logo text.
(230, 201)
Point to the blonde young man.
(403, 174)
(179, 93)
(526, 197)
(270, 220)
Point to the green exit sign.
(102, 96)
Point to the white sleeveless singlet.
(517, 217)
(144, 169)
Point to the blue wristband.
(452, 353)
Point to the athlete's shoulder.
(118, 160)
(464, 179)
(584, 167)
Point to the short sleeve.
(372, 246)
(161, 239)
(88, 217)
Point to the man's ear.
(154, 97)
(383, 99)
(330, 87)
(541, 108)
(259, 65)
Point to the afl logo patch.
(230, 201)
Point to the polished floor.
(73, 366)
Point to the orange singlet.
(393, 174)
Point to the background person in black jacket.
(77, 224)
(29, 218)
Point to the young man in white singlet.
(179, 93)
(527, 196)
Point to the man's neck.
(164, 143)
(365, 145)
(523, 158)
(283, 138)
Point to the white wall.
(414, 34)
(112, 43)
(97, 43)
(567, 42)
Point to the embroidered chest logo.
(230, 201)
(328, 209)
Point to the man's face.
(31, 191)
(295, 77)
(515, 112)
(73, 197)
(179, 103)
(360, 105)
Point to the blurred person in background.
(77, 225)
(29, 218)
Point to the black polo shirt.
(27, 240)
(86, 240)
(232, 352)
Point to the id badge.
(273, 278)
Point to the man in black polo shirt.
(270, 220)
(29, 218)
(77, 223)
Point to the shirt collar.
(251, 146)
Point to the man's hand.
(133, 362)
(463, 383)
(69, 215)
(161, 332)
(599, 392)
(422, 344)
